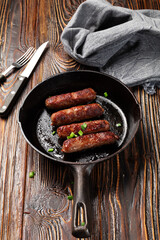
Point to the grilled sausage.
(88, 141)
(70, 99)
(92, 127)
(76, 114)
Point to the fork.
(19, 63)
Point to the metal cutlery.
(21, 81)
(19, 63)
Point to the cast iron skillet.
(120, 107)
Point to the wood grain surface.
(125, 191)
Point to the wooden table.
(125, 190)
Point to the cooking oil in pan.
(115, 116)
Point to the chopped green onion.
(53, 132)
(70, 197)
(83, 223)
(118, 125)
(50, 150)
(80, 133)
(72, 135)
(105, 94)
(31, 174)
(83, 126)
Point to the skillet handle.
(81, 219)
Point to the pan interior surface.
(120, 107)
(113, 114)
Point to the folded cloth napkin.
(121, 42)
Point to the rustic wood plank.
(125, 190)
(12, 158)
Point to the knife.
(21, 81)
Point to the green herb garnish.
(83, 126)
(72, 135)
(118, 125)
(50, 150)
(72, 182)
(80, 133)
(53, 132)
(70, 197)
(82, 223)
(31, 174)
(105, 94)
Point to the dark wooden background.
(125, 191)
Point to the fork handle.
(12, 96)
(8, 71)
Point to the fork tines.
(26, 57)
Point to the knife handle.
(2, 77)
(12, 96)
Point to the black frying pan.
(120, 107)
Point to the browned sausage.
(70, 99)
(88, 141)
(76, 114)
(92, 127)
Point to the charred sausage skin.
(67, 100)
(88, 141)
(76, 114)
(92, 127)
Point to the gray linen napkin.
(121, 42)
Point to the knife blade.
(21, 81)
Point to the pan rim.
(81, 163)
